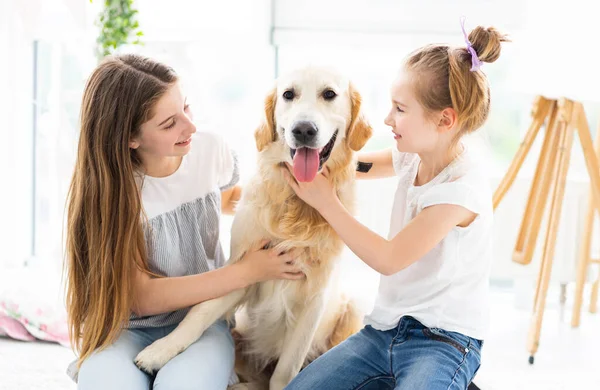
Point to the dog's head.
(311, 114)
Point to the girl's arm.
(162, 295)
(229, 199)
(420, 236)
(382, 164)
(387, 257)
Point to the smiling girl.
(143, 231)
(430, 315)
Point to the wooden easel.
(562, 117)
(585, 259)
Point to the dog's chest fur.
(277, 214)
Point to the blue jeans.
(408, 357)
(207, 364)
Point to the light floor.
(567, 358)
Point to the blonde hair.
(443, 78)
(105, 239)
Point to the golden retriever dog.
(312, 121)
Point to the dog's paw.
(155, 356)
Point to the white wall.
(393, 17)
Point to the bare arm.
(229, 199)
(420, 236)
(387, 257)
(162, 295)
(382, 164)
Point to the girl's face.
(168, 133)
(413, 130)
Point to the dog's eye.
(329, 94)
(288, 95)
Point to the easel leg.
(550, 178)
(594, 298)
(555, 133)
(540, 111)
(593, 168)
(583, 263)
(538, 195)
(584, 251)
(565, 128)
(590, 156)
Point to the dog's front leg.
(298, 341)
(199, 318)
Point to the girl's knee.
(106, 371)
(113, 367)
(206, 364)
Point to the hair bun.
(487, 43)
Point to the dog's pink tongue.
(306, 164)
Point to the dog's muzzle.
(305, 134)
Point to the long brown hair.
(105, 239)
(444, 77)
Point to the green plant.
(118, 26)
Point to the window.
(16, 131)
(60, 72)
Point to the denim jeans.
(207, 364)
(408, 357)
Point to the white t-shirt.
(208, 167)
(448, 287)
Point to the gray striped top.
(183, 211)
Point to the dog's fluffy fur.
(283, 325)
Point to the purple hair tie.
(476, 63)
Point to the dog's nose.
(304, 132)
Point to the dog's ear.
(266, 132)
(359, 130)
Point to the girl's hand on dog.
(266, 264)
(318, 193)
